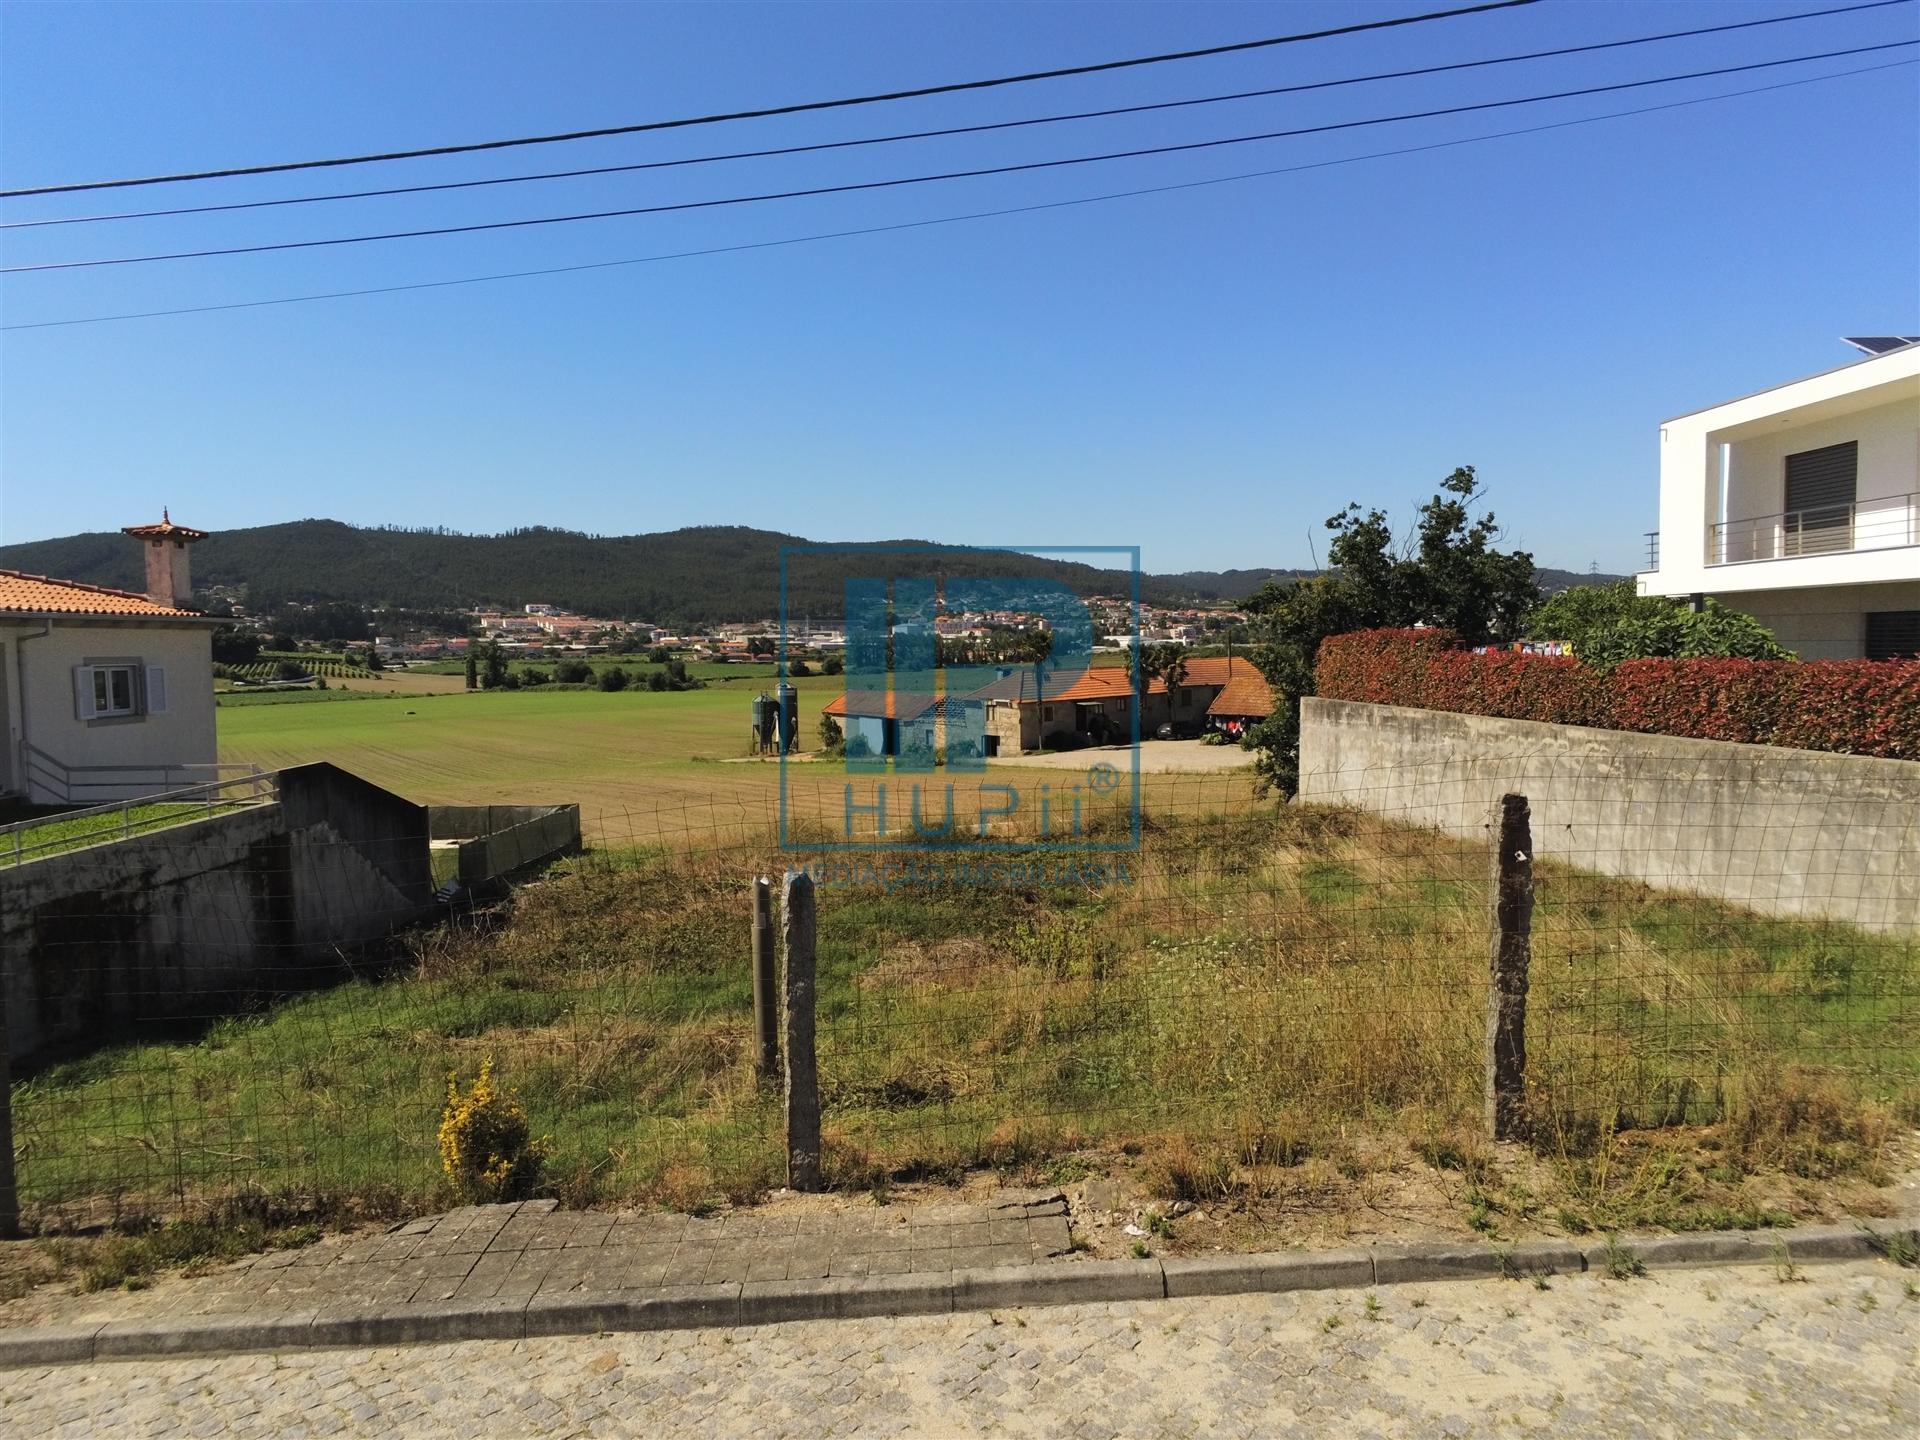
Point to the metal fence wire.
(191, 1014)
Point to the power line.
(900, 181)
(957, 219)
(796, 109)
(951, 130)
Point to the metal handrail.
(263, 787)
(1880, 523)
(68, 780)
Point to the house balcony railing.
(1878, 524)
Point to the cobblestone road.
(1679, 1353)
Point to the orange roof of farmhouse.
(24, 594)
(1243, 690)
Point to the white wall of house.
(172, 696)
(1889, 473)
(1874, 402)
(1825, 623)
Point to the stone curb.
(1071, 1283)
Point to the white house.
(1801, 506)
(107, 694)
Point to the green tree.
(1606, 624)
(614, 678)
(1165, 663)
(234, 646)
(1683, 634)
(493, 663)
(1448, 573)
(1579, 612)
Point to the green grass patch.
(54, 836)
(1265, 980)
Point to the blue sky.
(1207, 373)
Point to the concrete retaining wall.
(1784, 832)
(501, 840)
(183, 921)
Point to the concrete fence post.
(766, 1006)
(9, 1190)
(1511, 907)
(803, 1080)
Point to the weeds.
(1898, 1246)
(1269, 981)
(1622, 1263)
(1785, 1270)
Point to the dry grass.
(1280, 1001)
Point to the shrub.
(573, 672)
(487, 1147)
(1857, 707)
(613, 678)
(1679, 633)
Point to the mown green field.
(637, 762)
(644, 766)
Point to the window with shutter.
(106, 691)
(1820, 494)
(1893, 635)
(156, 690)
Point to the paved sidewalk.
(518, 1252)
(1736, 1352)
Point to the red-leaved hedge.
(1855, 707)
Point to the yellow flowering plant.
(487, 1147)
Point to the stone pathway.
(517, 1252)
(1738, 1352)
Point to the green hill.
(698, 575)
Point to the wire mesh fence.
(248, 1003)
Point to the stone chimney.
(168, 581)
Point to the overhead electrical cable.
(906, 180)
(826, 145)
(803, 107)
(954, 219)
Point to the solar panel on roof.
(1880, 344)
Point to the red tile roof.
(1242, 689)
(21, 593)
(1246, 694)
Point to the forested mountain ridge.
(703, 574)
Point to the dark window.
(1820, 495)
(1893, 635)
